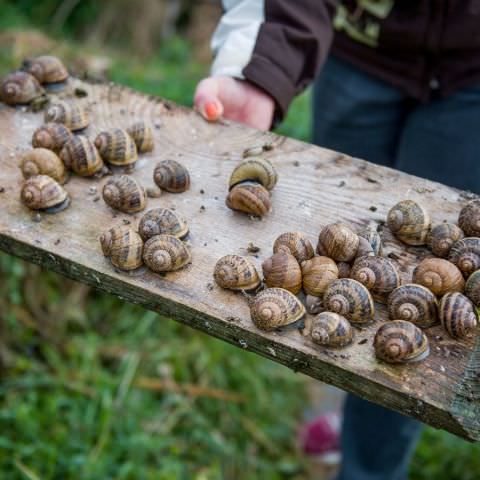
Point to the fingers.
(207, 100)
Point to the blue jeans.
(362, 116)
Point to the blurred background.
(94, 388)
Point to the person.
(397, 83)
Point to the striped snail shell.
(338, 241)
(46, 69)
(344, 269)
(295, 243)
(351, 299)
(123, 246)
(40, 161)
(465, 254)
(162, 221)
(439, 276)
(469, 218)
(378, 274)
(234, 272)
(19, 88)
(472, 288)
(52, 136)
(317, 274)
(457, 315)
(116, 146)
(255, 169)
(374, 240)
(80, 155)
(283, 271)
(275, 307)
(171, 176)
(44, 193)
(332, 330)
(409, 222)
(413, 303)
(442, 237)
(142, 135)
(70, 114)
(125, 194)
(249, 197)
(399, 341)
(165, 253)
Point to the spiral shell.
(160, 221)
(409, 222)
(171, 176)
(295, 243)
(44, 193)
(275, 307)
(255, 169)
(465, 254)
(442, 237)
(344, 269)
(472, 288)
(439, 276)
(469, 218)
(70, 114)
(338, 241)
(80, 155)
(283, 271)
(374, 240)
(40, 161)
(332, 330)
(317, 274)
(249, 197)
(19, 88)
(413, 303)
(165, 253)
(142, 135)
(378, 274)
(46, 69)
(399, 341)
(124, 193)
(52, 136)
(236, 273)
(123, 246)
(351, 299)
(116, 146)
(457, 315)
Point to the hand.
(236, 100)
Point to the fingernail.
(211, 111)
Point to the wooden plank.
(316, 187)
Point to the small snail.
(399, 341)
(46, 69)
(142, 135)
(379, 274)
(124, 193)
(255, 169)
(317, 274)
(313, 304)
(332, 330)
(438, 275)
(457, 315)
(442, 237)
(295, 243)
(351, 299)
(344, 269)
(338, 241)
(123, 246)
(165, 253)
(19, 88)
(162, 221)
(80, 155)
(52, 136)
(44, 193)
(413, 303)
(249, 197)
(283, 271)
(472, 288)
(469, 218)
(171, 176)
(374, 239)
(409, 222)
(40, 161)
(234, 272)
(70, 114)
(275, 307)
(116, 146)
(465, 254)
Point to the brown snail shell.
(19, 88)
(399, 341)
(142, 135)
(338, 241)
(255, 169)
(439, 275)
(124, 193)
(46, 69)
(70, 114)
(374, 240)
(457, 315)
(351, 299)
(295, 243)
(160, 221)
(283, 271)
(378, 274)
(171, 176)
(442, 237)
(409, 222)
(344, 269)
(465, 254)
(275, 307)
(80, 155)
(249, 197)
(40, 161)
(123, 246)
(472, 288)
(165, 253)
(44, 193)
(317, 274)
(234, 272)
(469, 218)
(52, 136)
(413, 303)
(332, 330)
(116, 146)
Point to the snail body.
(52, 136)
(295, 243)
(80, 155)
(332, 330)
(70, 114)
(439, 275)
(160, 221)
(379, 274)
(409, 222)
(314, 304)
(469, 218)
(254, 169)
(42, 192)
(20, 88)
(249, 197)
(282, 270)
(171, 176)
(123, 246)
(457, 315)
(442, 237)
(338, 242)
(165, 253)
(142, 135)
(46, 69)
(40, 161)
(116, 146)
(465, 254)
(125, 194)
(234, 272)
(472, 288)
(317, 274)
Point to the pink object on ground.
(321, 436)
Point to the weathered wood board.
(316, 187)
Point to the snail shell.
(413, 303)
(44, 193)
(409, 222)
(165, 253)
(124, 193)
(399, 341)
(40, 161)
(331, 329)
(364, 248)
(20, 88)
(80, 155)
(142, 135)
(469, 219)
(465, 254)
(438, 275)
(351, 299)
(442, 237)
(295, 243)
(275, 307)
(52, 136)
(283, 271)
(338, 241)
(123, 246)
(249, 197)
(374, 240)
(472, 288)
(254, 169)
(171, 176)
(378, 274)
(46, 69)
(160, 221)
(318, 273)
(236, 273)
(116, 146)
(457, 315)
(344, 269)
(70, 114)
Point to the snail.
(465, 254)
(313, 304)
(19, 88)
(249, 197)
(457, 315)
(409, 222)
(338, 241)
(46, 69)
(44, 193)
(414, 303)
(124, 193)
(332, 330)
(52, 136)
(399, 341)
(117, 147)
(283, 271)
(275, 307)
(317, 274)
(439, 275)
(344, 269)
(123, 246)
(254, 169)
(374, 240)
(469, 218)
(472, 288)
(171, 176)
(165, 253)
(70, 114)
(142, 135)
(442, 237)
(351, 299)
(364, 248)
(80, 155)
(295, 243)
(162, 221)
(234, 272)
(40, 161)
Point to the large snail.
(44, 193)
(117, 147)
(282, 270)
(171, 176)
(40, 161)
(295, 243)
(254, 169)
(123, 246)
(162, 221)
(19, 88)
(234, 272)
(439, 275)
(165, 253)
(70, 113)
(52, 136)
(472, 288)
(317, 274)
(465, 254)
(142, 135)
(331, 329)
(469, 218)
(338, 241)
(442, 237)
(46, 69)
(409, 222)
(80, 155)
(457, 315)
(249, 197)
(125, 194)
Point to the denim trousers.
(360, 115)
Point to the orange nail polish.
(211, 111)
